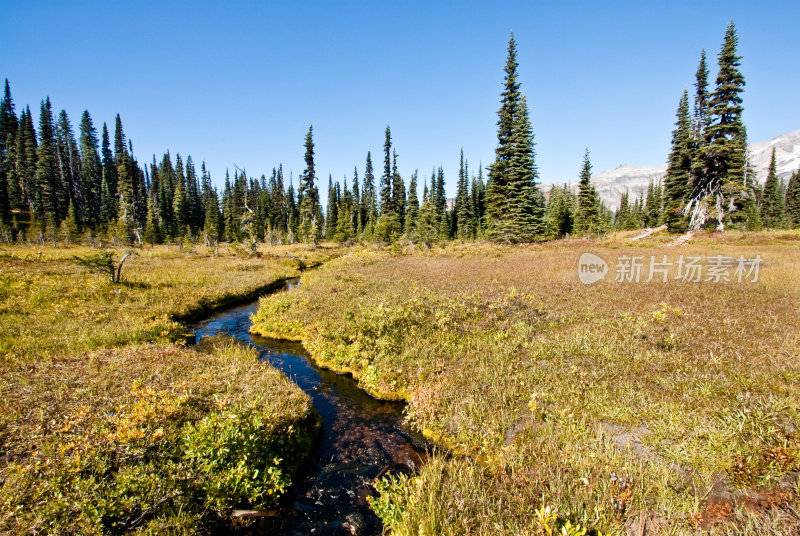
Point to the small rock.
(355, 522)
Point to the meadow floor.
(109, 423)
(660, 407)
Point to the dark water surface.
(361, 438)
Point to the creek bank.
(361, 439)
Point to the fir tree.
(69, 227)
(497, 194)
(26, 153)
(332, 210)
(560, 210)
(701, 98)
(370, 214)
(309, 206)
(463, 221)
(51, 204)
(345, 232)
(678, 180)
(179, 221)
(514, 211)
(69, 164)
(413, 206)
(525, 208)
(586, 213)
(10, 192)
(358, 208)
(152, 231)
(398, 192)
(108, 188)
(478, 201)
(91, 171)
(793, 200)
(720, 169)
(773, 202)
(426, 230)
(386, 178)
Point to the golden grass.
(106, 427)
(562, 389)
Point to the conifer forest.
(490, 350)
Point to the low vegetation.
(108, 423)
(664, 407)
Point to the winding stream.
(361, 438)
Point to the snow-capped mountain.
(611, 184)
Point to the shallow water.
(361, 438)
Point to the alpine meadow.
(484, 346)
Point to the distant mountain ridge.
(611, 184)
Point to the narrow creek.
(361, 438)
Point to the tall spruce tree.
(10, 192)
(587, 217)
(309, 206)
(773, 201)
(69, 164)
(526, 209)
(701, 98)
(52, 203)
(413, 206)
(370, 214)
(398, 192)
(720, 188)
(793, 200)
(678, 180)
(514, 212)
(386, 178)
(463, 217)
(108, 194)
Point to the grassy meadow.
(617, 407)
(109, 423)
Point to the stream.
(361, 438)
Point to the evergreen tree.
(525, 208)
(496, 190)
(370, 204)
(478, 201)
(559, 214)
(773, 201)
(179, 221)
(91, 171)
(10, 192)
(194, 201)
(398, 192)
(514, 211)
(52, 202)
(623, 214)
(69, 164)
(152, 232)
(586, 214)
(108, 188)
(358, 208)
(793, 200)
(720, 168)
(345, 232)
(700, 99)
(69, 227)
(309, 206)
(426, 230)
(463, 221)
(413, 206)
(386, 178)
(332, 210)
(678, 180)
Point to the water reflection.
(361, 438)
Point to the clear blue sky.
(240, 82)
